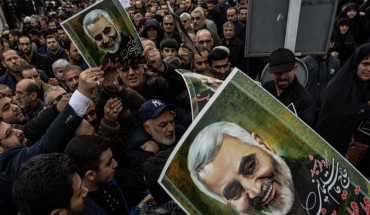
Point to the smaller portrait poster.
(105, 36)
(246, 153)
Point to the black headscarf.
(344, 93)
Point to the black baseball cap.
(281, 60)
(153, 108)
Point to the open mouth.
(268, 196)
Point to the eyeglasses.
(8, 132)
(127, 68)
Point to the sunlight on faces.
(256, 180)
(105, 35)
(363, 69)
(162, 128)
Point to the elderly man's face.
(162, 128)
(105, 35)
(197, 20)
(251, 180)
(205, 39)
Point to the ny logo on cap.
(156, 103)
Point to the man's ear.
(34, 96)
(295, 68)
(90, 175)
(147, 128)
(262, 142)
(60, 211)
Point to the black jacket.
(298, 96)
(56, 137)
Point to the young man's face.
(25, 45)
(11, 61)
(78, 196)
(222, 67)
(73, 53)
(62, 35)
(107, 167)
(10, 137)
(105, 35)
(52, 44)
(10, 112)
(255, 180)
(169, 25)
(168, 52)
(243, 15)
(200, 61)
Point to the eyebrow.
(246, 160)
(5, 106)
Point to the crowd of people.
(81, 140)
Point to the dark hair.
(44, 183)
(168, 43)
(217, 54)
(153, 167)
(27, 67)
(34, 31)
(45, 33)
(67, 44)
(206, 71)
(86, 151)
(32, 87)
(15, 32)
(25, 36)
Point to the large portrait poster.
(245, 153)
(105, 36)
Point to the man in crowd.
(71, 74)
(26, 96)
(204, 38)
(198, 19)
(55, 51)
(168, 47)
(285, 86)
(56, 172)
(12, 62)
(14, 154)
(30, 72)
(219, 59)
(58, 67)
(74, 56)
(40, 61)
(236, 47)
(240, 28)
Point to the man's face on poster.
(252, 180)
(105, 35)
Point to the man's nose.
(252, 187)
(170, 127)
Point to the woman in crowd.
(345, 112)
